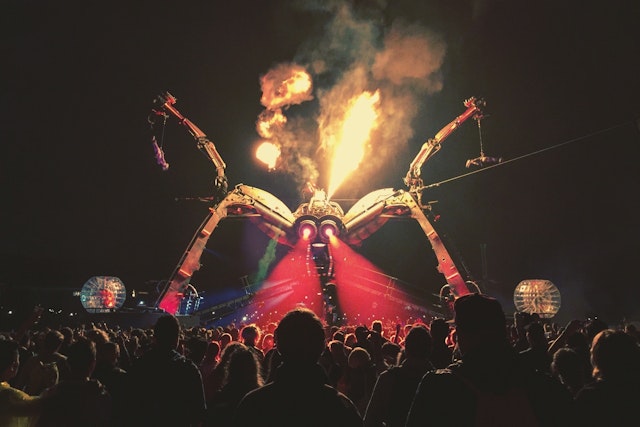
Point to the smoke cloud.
(357, 51)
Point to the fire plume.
(285, 85)
(359, 121)
(268, 153)
(269, 121)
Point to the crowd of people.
(480, 369)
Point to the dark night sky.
(82, 195)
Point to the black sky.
(83, 196)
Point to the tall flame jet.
(290, 84)
(360, 120)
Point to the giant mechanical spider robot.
(320, 219)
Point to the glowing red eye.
(328, 229)
(307, 230)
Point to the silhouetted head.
(567, 365)
(615, 355)
(439, 329)
(359, 358)
(52, 341)
(536, 335)
(243, 369)
(418, 342)
(197, 348)
(361, 333)
(81, 357)
(9, 359)
(108, 353)
(250, 335)
(300, 337)
(479, 313)
(167, 331)
(480, 321)
(376, 326)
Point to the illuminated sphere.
(103, 294)
(537, 296)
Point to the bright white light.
(268, 153)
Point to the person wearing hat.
(488, 386)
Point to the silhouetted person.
(113, 377)
(520, 321)
(358, 378)
(217, 378)
(166, 387)
(488, 386)
(536, 356)
(196, 349)
(441, 353)
(242, 376)
(612, 399)
(225, 339)
(68, 339)
(632, 330)
(77, 400)
(266, 343)
(272, 360)
(210, 360)
(376, 326)
(335, 361)
(17, 408)
(390, 353)
(299, 395)
(566, 365)
(250, 335)
(395, 388)
(46, 368)
(362, 339)
(26, 350)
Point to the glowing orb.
(537, 296)
(268, 153)
(103, 294)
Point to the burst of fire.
(268, 121)
(285, 85)
(299, 82)
(268, 153)
(359, 121)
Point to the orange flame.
(268, 121)
(359, 121)
(268, 153)
(285, 85)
